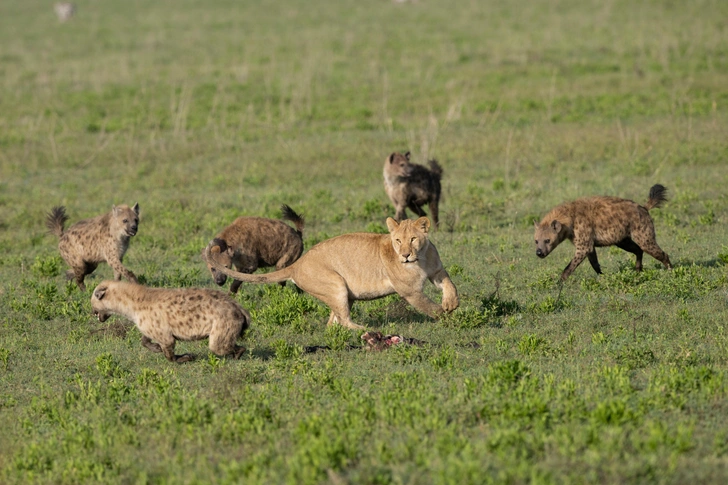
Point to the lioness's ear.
(391, 158)
(136, 208)
(556, 225)
(392, 225)
(99, 292)
(424, 224)
(407, 156)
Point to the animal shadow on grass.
(263, 354)
(113, 329)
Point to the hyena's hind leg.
(78, 273)
(648, 244)
(435, 210)
(223, 337)
(630, 246)
(416, 209)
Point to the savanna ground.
(206, 110)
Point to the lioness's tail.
(288, 214)
(56, 219)
(658, 195)
(435, 168)
(274, 277)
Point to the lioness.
(363, 266)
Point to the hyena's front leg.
(147, 342)
(168, 351)
(120, 270)
(580, 255)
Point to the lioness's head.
(98, 303)
(223, 255)
(409, 238)
(124, 220)
(548, 235)
(398, 165)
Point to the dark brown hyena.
(166, 315)
(602, 221)
(412, 185)
(250, 243)
(101, 239)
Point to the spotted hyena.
(167, 315)
(89, 242)
(410, 185)
(250, 243)
(602, 221)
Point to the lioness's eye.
(126, 220)
(413, 239)
(398, 241)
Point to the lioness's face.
(409, 238)
(398, 165)
(125, 220)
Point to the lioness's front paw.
(450, 304)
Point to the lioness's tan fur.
(363, 266)
(167, 315)
(87, 243)
(594, 222)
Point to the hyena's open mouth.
(102, 316)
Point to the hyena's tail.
(274, 277)
(658, 195)
(435, 168)
(288, 214)
(56, 219)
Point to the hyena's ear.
(424, 224)
(218, 246)
(114, 210)
(390, 159)
(556, 225)
(136, 208)
(407, 156)
(99, 292)
(392, 225)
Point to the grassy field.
(202, 111)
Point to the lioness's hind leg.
(336, 295)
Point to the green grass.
(204, 111)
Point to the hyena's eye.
(125, 221)
(547, 241)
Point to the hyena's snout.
(540, 253)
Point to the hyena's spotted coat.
(167, 315)
(92, 241)
(602, 221)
